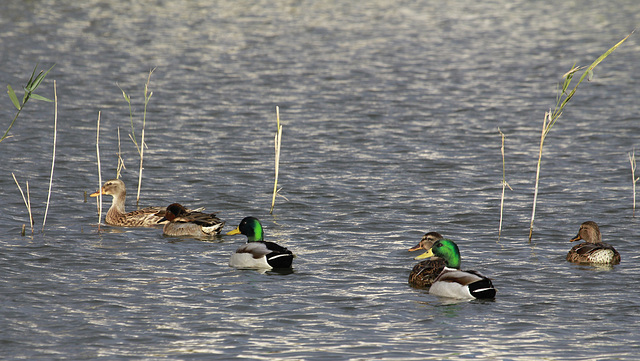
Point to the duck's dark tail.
(280, 257)
(482, 289)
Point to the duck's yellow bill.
(235, 231)
(95, 194)
(427, 254)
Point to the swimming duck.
(189, 223)
(454, 283)
(145, 217)
(593, 250)
(257, 253)
(424, 273)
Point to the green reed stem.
(32, 85)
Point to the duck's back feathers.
(184, 222)
(601, 253)
(145, 217)
(261, 255)
(454, 283)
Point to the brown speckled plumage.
(183, 222)
(593, 250)
(116, 216)
(425, 273)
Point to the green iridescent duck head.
(250, 227)
(445, 249)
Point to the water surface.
(391, 113)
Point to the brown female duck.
(183, 222)
(116, 216)
(593, 250)
(425, 273)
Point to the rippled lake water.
(390, 112)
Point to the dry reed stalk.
(120, 165)
(277, 142)
(504, 183)
(29, 207)
(552, 116)
(27, 201)
(53, 157)
(99, 172)
(632, 160)
(535, 192)
(147, 97)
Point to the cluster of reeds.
(29, 89)
(140, 145)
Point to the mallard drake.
(189, 223)
(145, 217)
(425, 272)
(257, 253)
(454, 283)
(593, 250)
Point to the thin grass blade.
(40, 97)
(14, 98)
